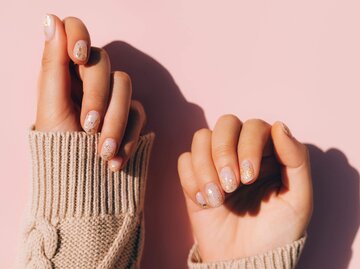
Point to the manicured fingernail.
(81, 50)
(228, 179)
(116, 164)
(49, 27)
(286, 130)
(247, 171)
(214, 195)
(108, 149)
(92, 122)
(200, 199)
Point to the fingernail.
(92, 122)
(228, 179)
(247, 171)
(116, 164)
(80, 50)
(108, 148)
(214, 195)
(286, 130)
(200, 199)
(49, 27)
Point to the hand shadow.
(336, 216)
(174, 120)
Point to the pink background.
(191, 61)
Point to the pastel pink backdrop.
(191, 61)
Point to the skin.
(68, 89)
(270, 211)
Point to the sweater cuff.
(285, 257)
(71, 180)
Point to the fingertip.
(289, 150)
(78, 40)
(116, 164)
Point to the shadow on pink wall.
(174, 120)
(336, 217)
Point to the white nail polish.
(92, 122)
(80, 50)
(49, 27)
(247, 171)
(200, 199)
(108, 149)
(228, 179)
(214, 195)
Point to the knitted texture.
(82, 215)
(284, 257)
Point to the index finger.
(78, 40)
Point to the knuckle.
(201, 134)
(229, 118)
(122, 78)
(182, 158)
(137, 110)
(256, 122)
(222, 151)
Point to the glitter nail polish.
(49, 27)
(80, 50)
(92, 122)
(247, 171)
(214, 195)
(286, 130)
(228, 179)
(108, 148)
(200, 199)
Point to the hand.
(77, 91)
(247, 188)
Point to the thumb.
(54, 97)
(296, 173)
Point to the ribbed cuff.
(71, 180)
(280, 258)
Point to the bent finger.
(78, 40)
(135, 124)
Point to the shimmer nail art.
(116, 164)
(247, 171)
(228, 179)
(108, 148)
(200, 199)
(92, 122)
(80, 50)
(286, 130)
(49, 27)
(214, 195)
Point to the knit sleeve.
(285, 257)
(81, 214)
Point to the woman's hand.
(247, 187)
(77, 91)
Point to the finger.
(116, 117)
(78, 40)
(255, 135)
(96, 90)
(193, 196)
(204, 168)
(225, 138)
(294, 156)
(135, 124)
(54, 81)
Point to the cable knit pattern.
(284, 257)
(83, 215)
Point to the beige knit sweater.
(82, 215)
